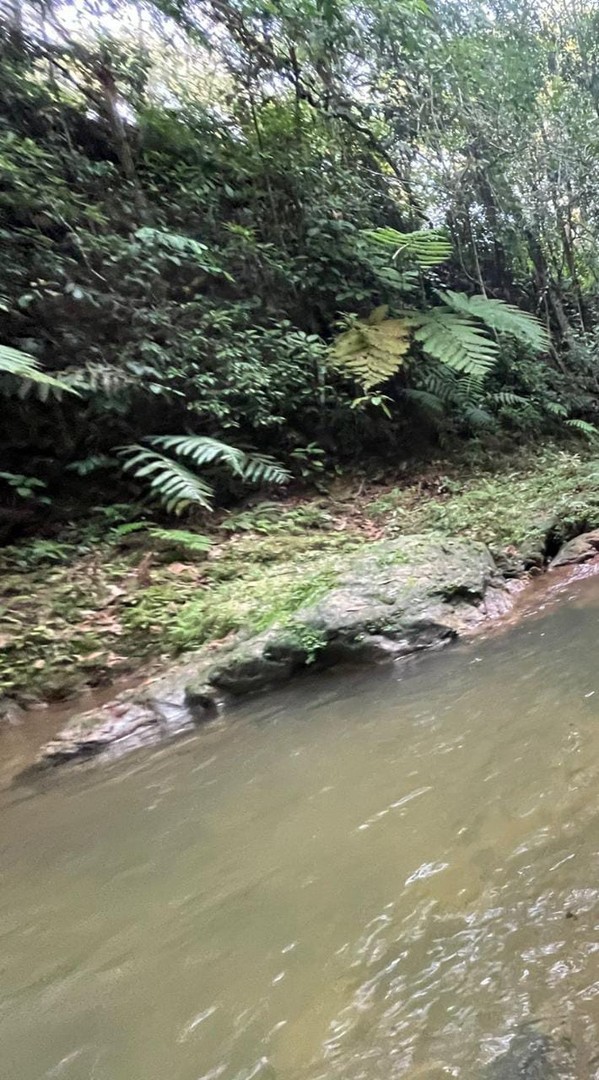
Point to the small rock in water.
(533, 1056)
(578, 550)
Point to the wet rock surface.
(389, 600)
(533, 1055)
(580, 549)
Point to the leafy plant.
(191, 542)
(27, 487)
(269, 518)
(456, 334)
(177, 487)
(176, 245)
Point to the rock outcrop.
(388, 600)
(579, 550)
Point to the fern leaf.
(584, 427)
(434, 378)
(425, 399)
(254, 468)
(426, 246)
(499, 316)
(555, 408)
(506, 397)
(262, 469)
(372, 351)
(175, 486)
(456, 341)
(23, 366)
(100, 379)
(202, 450)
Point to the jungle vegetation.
(248, 240)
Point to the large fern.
(457, 335)
(177, 487)
(455, 332)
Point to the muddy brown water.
(370, 875)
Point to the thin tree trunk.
(119, 135)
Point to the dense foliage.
(197, 200)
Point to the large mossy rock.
(385, 601)
(395, 598)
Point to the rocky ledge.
(386, 601)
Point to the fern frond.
(372, 351)
(456, 341)
(202, 450)
(555, 409)
(100, 379)
(434, 378)
(175, 486)
(425, 399)
(426, 246)
(584, 427)
(469, 390)
(262, 469)
(506, 397)
(499, 316)
(23, 366)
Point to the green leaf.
(176, 487)
(24, 366)
(457, 342)
(584, 427)
(427, 247)
(372, 351)
(499, 316)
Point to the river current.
(371, 875)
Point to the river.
(370, 875)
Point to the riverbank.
(105, 600)
(143, 598)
